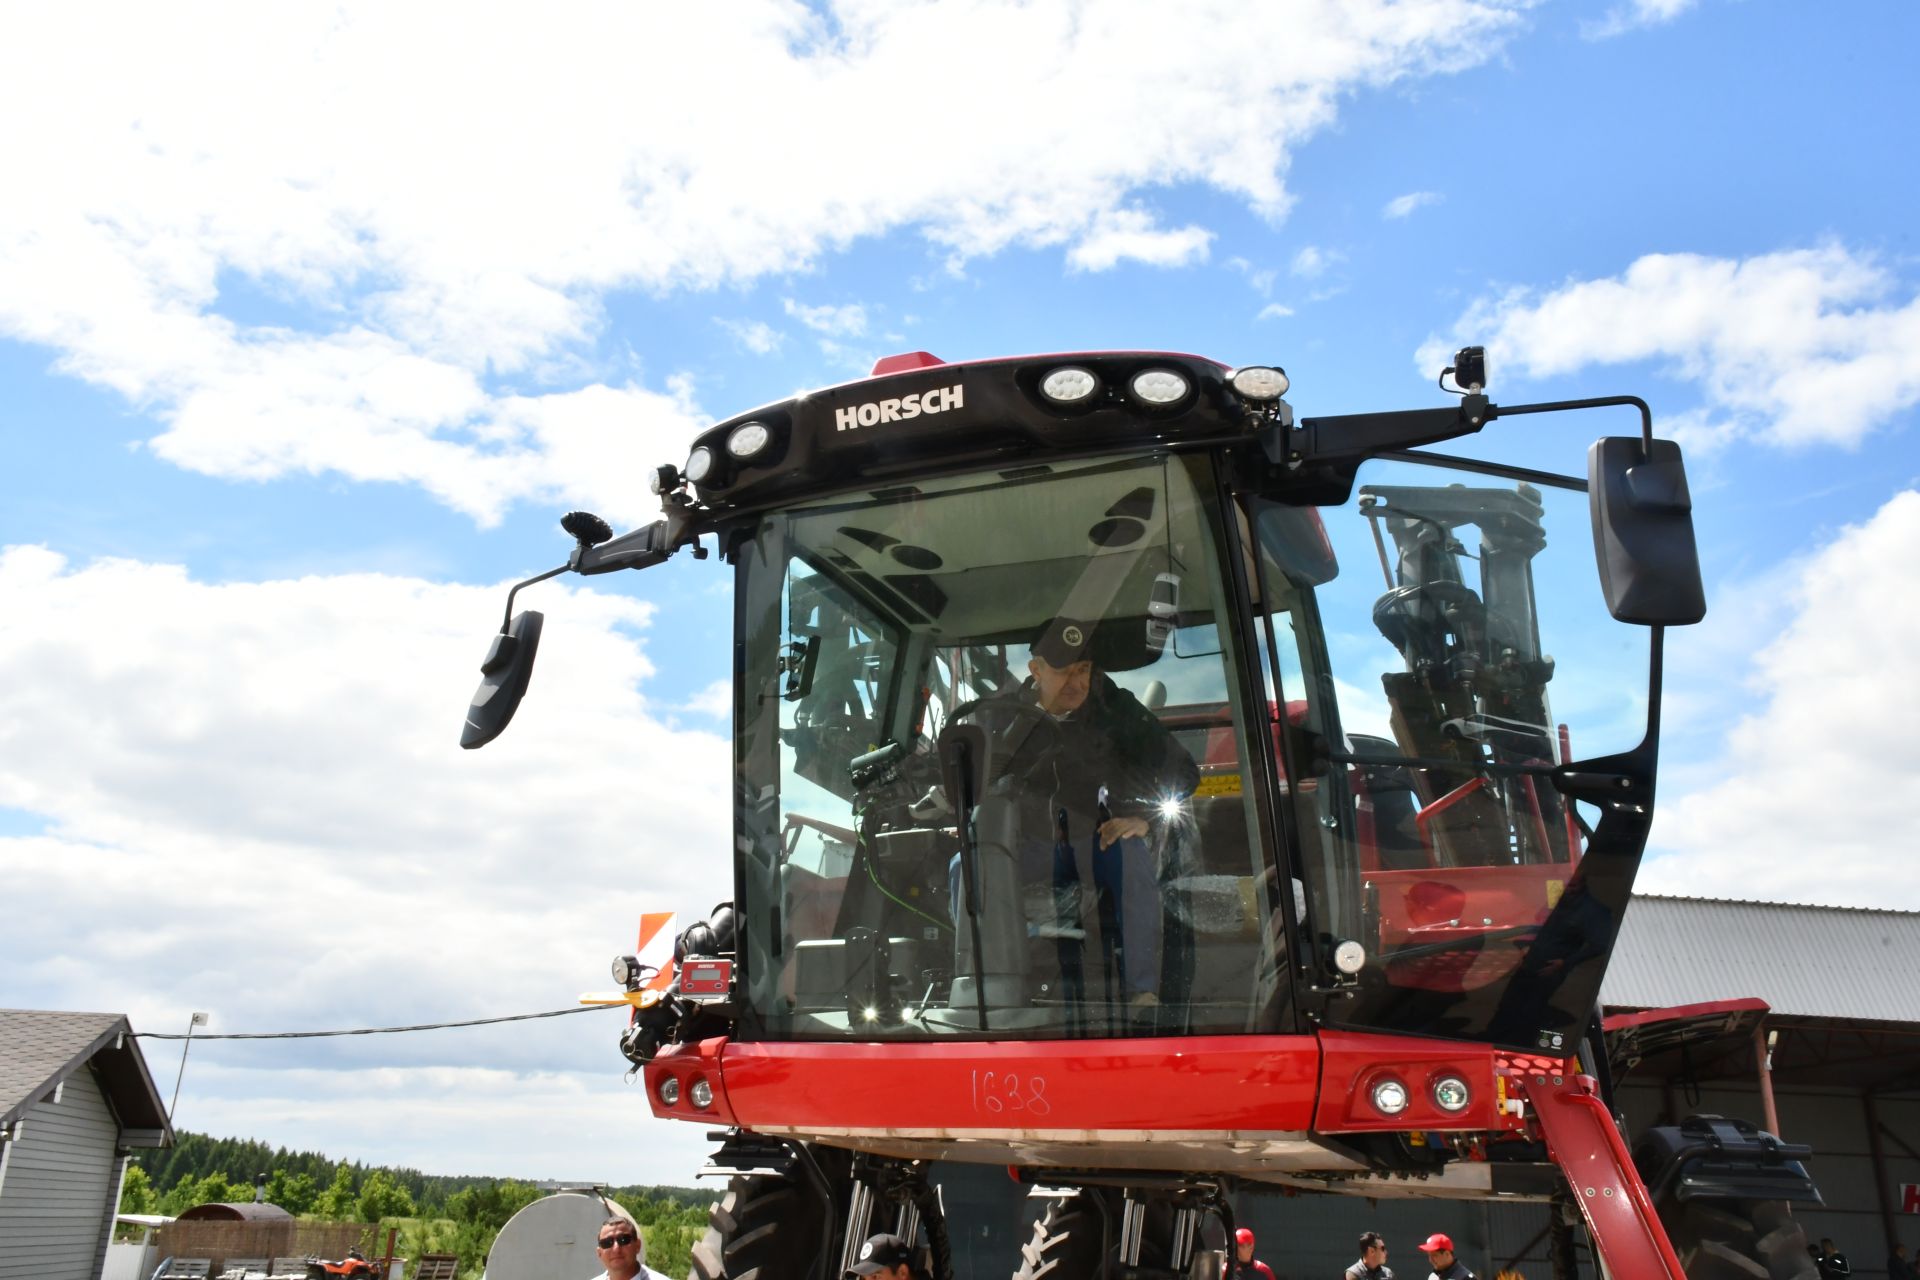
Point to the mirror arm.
(1599, 402)
(506, 619)
(1352, 435)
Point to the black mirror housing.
(1643, 532)
(503, 680)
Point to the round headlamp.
(1069, 386)
(1389, 1097)
(701, 1093)
(665, 478)
(1159, 386)
(1349, 957)
(1450, 1094)
(670, 1091)
(748, 440)
(626, 970)
(1258, 382)
(699, 465)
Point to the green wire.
(859, 815)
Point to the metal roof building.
(1808, 1023)
(1805, 962)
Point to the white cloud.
(442, 220)
(1261, 278)
(714, 700)
(846, 321)
(1839, 683)
(1802, 346)
(1313, 262)
(252, 796)
(756, 336)
(1274, 311)
(1133, 235)
(1632, 16)
(1403, 206)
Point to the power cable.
(375, 1031)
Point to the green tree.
(293, 1192)
(490, 1204)
(215, 1188)
(337, 1202)
(136, 1192)
(382, 1197)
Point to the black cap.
(881, 1252)
(1063, 642)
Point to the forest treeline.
(434, 1213)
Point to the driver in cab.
(1097, 780)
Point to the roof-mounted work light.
(699, 465)
(1070, 386)
(749, 440)
(1469, 370)
(1260, 382)
(1159, 387)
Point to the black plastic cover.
(1643, 532)
(1718, 1158)
(503, 680)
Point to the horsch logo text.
(898, 408)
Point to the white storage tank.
(553, 1238)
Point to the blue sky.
(310, 328)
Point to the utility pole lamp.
(198, 1020)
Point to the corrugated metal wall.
(60, 1176)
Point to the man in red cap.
(1439, 1251)
(1243, 1265)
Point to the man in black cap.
(1098, 778)
(885, 1255)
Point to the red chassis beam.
(1262, 1097)
(1246, 1101)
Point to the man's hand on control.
(1122, 828)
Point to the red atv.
(352, 1267)
(1154, 793)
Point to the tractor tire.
(1077, 1238)
(764, 1228)
(1741, 1240)
(770, 1228)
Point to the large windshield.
(1069, 619)
(1442, 645)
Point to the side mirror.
(503, 680)
(1643, 532)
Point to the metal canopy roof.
(1837, 963)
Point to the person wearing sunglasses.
(623, 1252)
